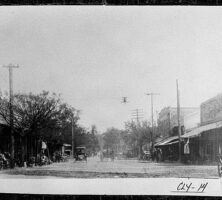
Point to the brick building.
(168, 122)
(206, 140)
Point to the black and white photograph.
(111, 100)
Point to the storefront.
(169, 148)
(205, 143)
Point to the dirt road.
(94, 168)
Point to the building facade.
(211, 110)
(168, 121)
(205, 141)
(211, 139)
(168, 129)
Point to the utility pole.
(178, 117)
(137, 114)
(10, 68)
(73, 134)
(72, 139)
(169, 115)
(152, 130)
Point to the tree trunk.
(22, 139)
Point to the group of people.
(107, 154)
(156, 154)
(5, 160)
(42, 158)
(58, 157)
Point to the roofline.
(208, 100)
(187, 107)
(181, 107)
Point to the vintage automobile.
(80, 154)
(146, 155)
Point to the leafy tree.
(39, 113)
(140, 134)
(87, 138)
(42, 116)
(92, 140)
(111, 139)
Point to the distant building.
(202, 134)
(206, 140)
(4, 136)
(168, 129)
(66, 149)
(168, 122)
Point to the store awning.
(167, 141)
(174, 142)
(197, 131)
(67, 145)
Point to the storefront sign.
(211, 110)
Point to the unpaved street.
(94, 168)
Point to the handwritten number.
(203, 187)
(184, 187)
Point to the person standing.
(186, 150)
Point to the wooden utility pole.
(72, 139)
(152, 131)
(169, 116)
(137, 114)
(178, 118)
(10, 68)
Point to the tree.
(43, 116)
(111, 139)
(92, 140)
(85, 138)
(140, 134)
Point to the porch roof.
(67, 145)
(167, 141)
(197, 131)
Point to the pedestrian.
(158, 155)
(112, 155)
(186, 150)
(161, 155)
(101, 156)
(154, 154)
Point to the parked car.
(146, 155)
(80, 154)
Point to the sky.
(96, 55)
